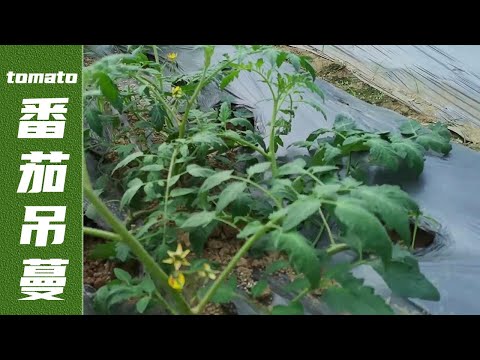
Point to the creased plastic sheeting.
(447, 190)
(442, 81)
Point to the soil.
(98, 273)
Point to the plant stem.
(325, 222)
(335, 249)
(138, 214)
(268, 193)
(101, 234)
(305, 172)
(247, 144)
(231, 265)
(167, 194)
(183, 123)
(227, 223)
(415, 232)
(165, 303)
(151, 266)
(301, 295)
(155, 54)
(320, 233)
(348, 164)
(271, 147)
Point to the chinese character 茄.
(43, 225)
(43, 127)
(43, 279)
(46, 178)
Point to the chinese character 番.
(43, 279)
(43, 225)
(43, 127)
(46, 178)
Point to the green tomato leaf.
(130, 193)
(94, 121)
(215, 180)
(258, 168)
(250, 229)
(109, 89)
(199, 219)
(142, 304)
(405, 279)
(157, 116)
(295, 167)
(198, 171)
(382, 153)
(300, 211)
(122, 275)
(356, 299)
(259, 288)
(182, 191)
(300, 253)
(226, 292)
(390, 204)
(343, 124)
(362, 224)
(294, 308)
(229, 194)
(225, 112)
(128, 160)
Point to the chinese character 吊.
(46, 178)
(43, 127)
(43, 279)
(43, 225)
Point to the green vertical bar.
(40, 60)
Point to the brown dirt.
(98, 273)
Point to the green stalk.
(415, 232)
(348, 164)
(268, 193)
(301, 295)
(247, 144)
(101, 234)
(165, 304)
(271, 147)
(335, 249)
(231, 265)
(183, 123)
(167, 194)
(155, 53)
(151, 266)
(329, 231)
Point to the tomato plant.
(184, 171)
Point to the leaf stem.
(415, 232)
(165, 303)
(301, 295)
(167, 194)
(325, 222)
(101, 234)
(335, 249)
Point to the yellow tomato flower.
(207, 271)
(172, 56)
(177, 258)
(176, 281)
(177, 92)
